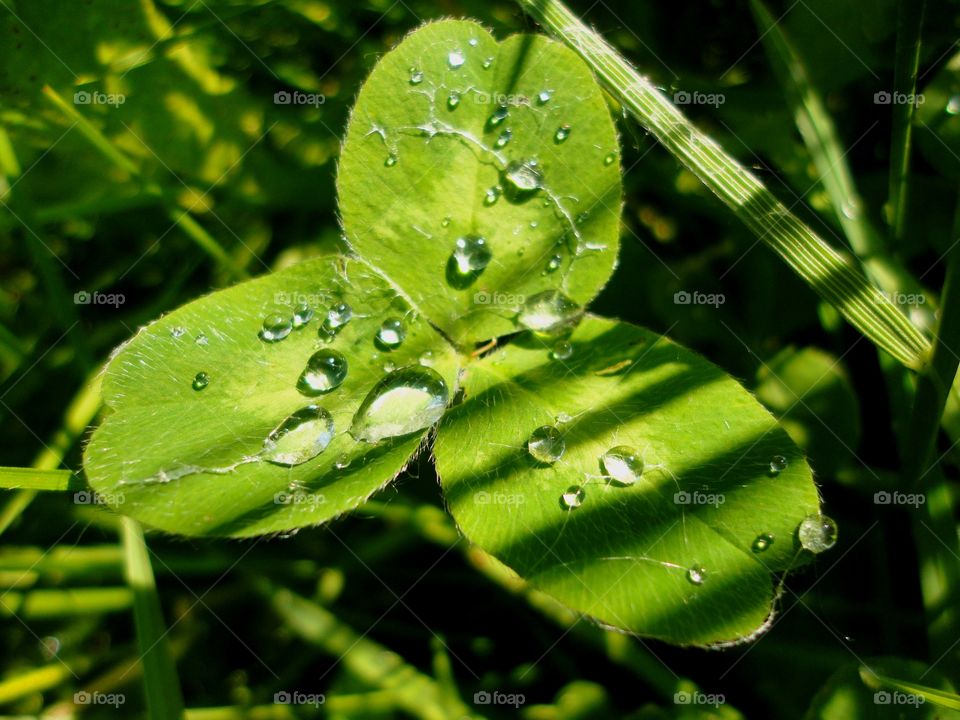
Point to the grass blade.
(12, 478)
(830, 274)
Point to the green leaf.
(416, 168)
(623, 556)
(188, 461)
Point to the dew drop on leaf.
(200, 381)
(453, 99)
(817, 533)
(548, 312)
(338, 315)
(471, 254)
(762, 542)
(543, 97)
(391, 333)
(563, 350)
(202, 340)
(778, 463)
(546, 444)
(573, 498)
(609, 158)
(426, 358)
(177, 332)
(491, 196)
(623, 464)
(456, 59)
(487, 63)
(275, 328)
(953, 105)
(326, 370)
(553, 264)
(503, 138)
(300, 437)
(522, 179)
(402, 402)
(302, 314)
(391, 160)
(696, 574)
(498, 116)
(562, 133)
(416, 76)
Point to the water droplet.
(817, 533)
(456, 59)
(487, 63)
(553, 264)
(342, 462)
(402, 402)
(544, 96)
(548, 312)
(503, 138)
(573, 497)
(445, 222)
(416, 76)
(609, 158)
(338, 315)
(202, 340)
(563, 350)
(472, 42)
(522, 179)
(546, 444)
(300, 437)
(696, 574)
(302, 314)
(562, 133)
(471, 254)
(453, 99)
(778, 463)
(275, 328)
(426, 358)
(623, 463)
(762, 542)
(389, 366)
(391, 160)
(953, 105)
(200, 381)
(492, 195)
(177, 332)
(326, 370)
(391, 333)
(851, 209)
(498, 116)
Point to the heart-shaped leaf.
(477, 174)
(217, 430)
(629, 478)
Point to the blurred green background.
(143, 155)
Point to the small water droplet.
(543, 97)
(326, 370)
(778, 463)
(342, 462)
(416, 76)
(456, 59)
(953, 105)
(623, 464)
(300, 437)
(487, 63)
(402, 402)
(817, 533)
(522, 179)
(553, 264)
(762, 542)
(609, 158)
(471, 254)
(546, 444)
(275, 328)
(391, 333)
(177, 332)
(302, 314)
(503, 138)
(573, 497)
(391, 160)
(563, 350)
(338, 315)
(202, 340)
(548, 312)
(200, 381)
(696, 574)
(453, 99)
(472, 42)
(426, 358)
(562, 133)
(389, 366)
(492, 195)
(445, 222)
(498, 116)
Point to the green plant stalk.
(46, 604)
(934, 528)
(164, 697)
(910, 22)
(830, 274)
(12, 478)
(934, 696)
(34, 681)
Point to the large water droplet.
(342, 462)
(402, 402)
(391, 333)
(471, 254)
(300, 437)
(548, 312)
(326, 370)
(275, 328)
(562, 133)
(522, 179)
(338, 315)
(546, 444)
(778, 463)
(762, 542)
(200, 381)
(817, 533)
(697, 574)
(456, 59)
(573, 497)
(302, 314)
(623, 464)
